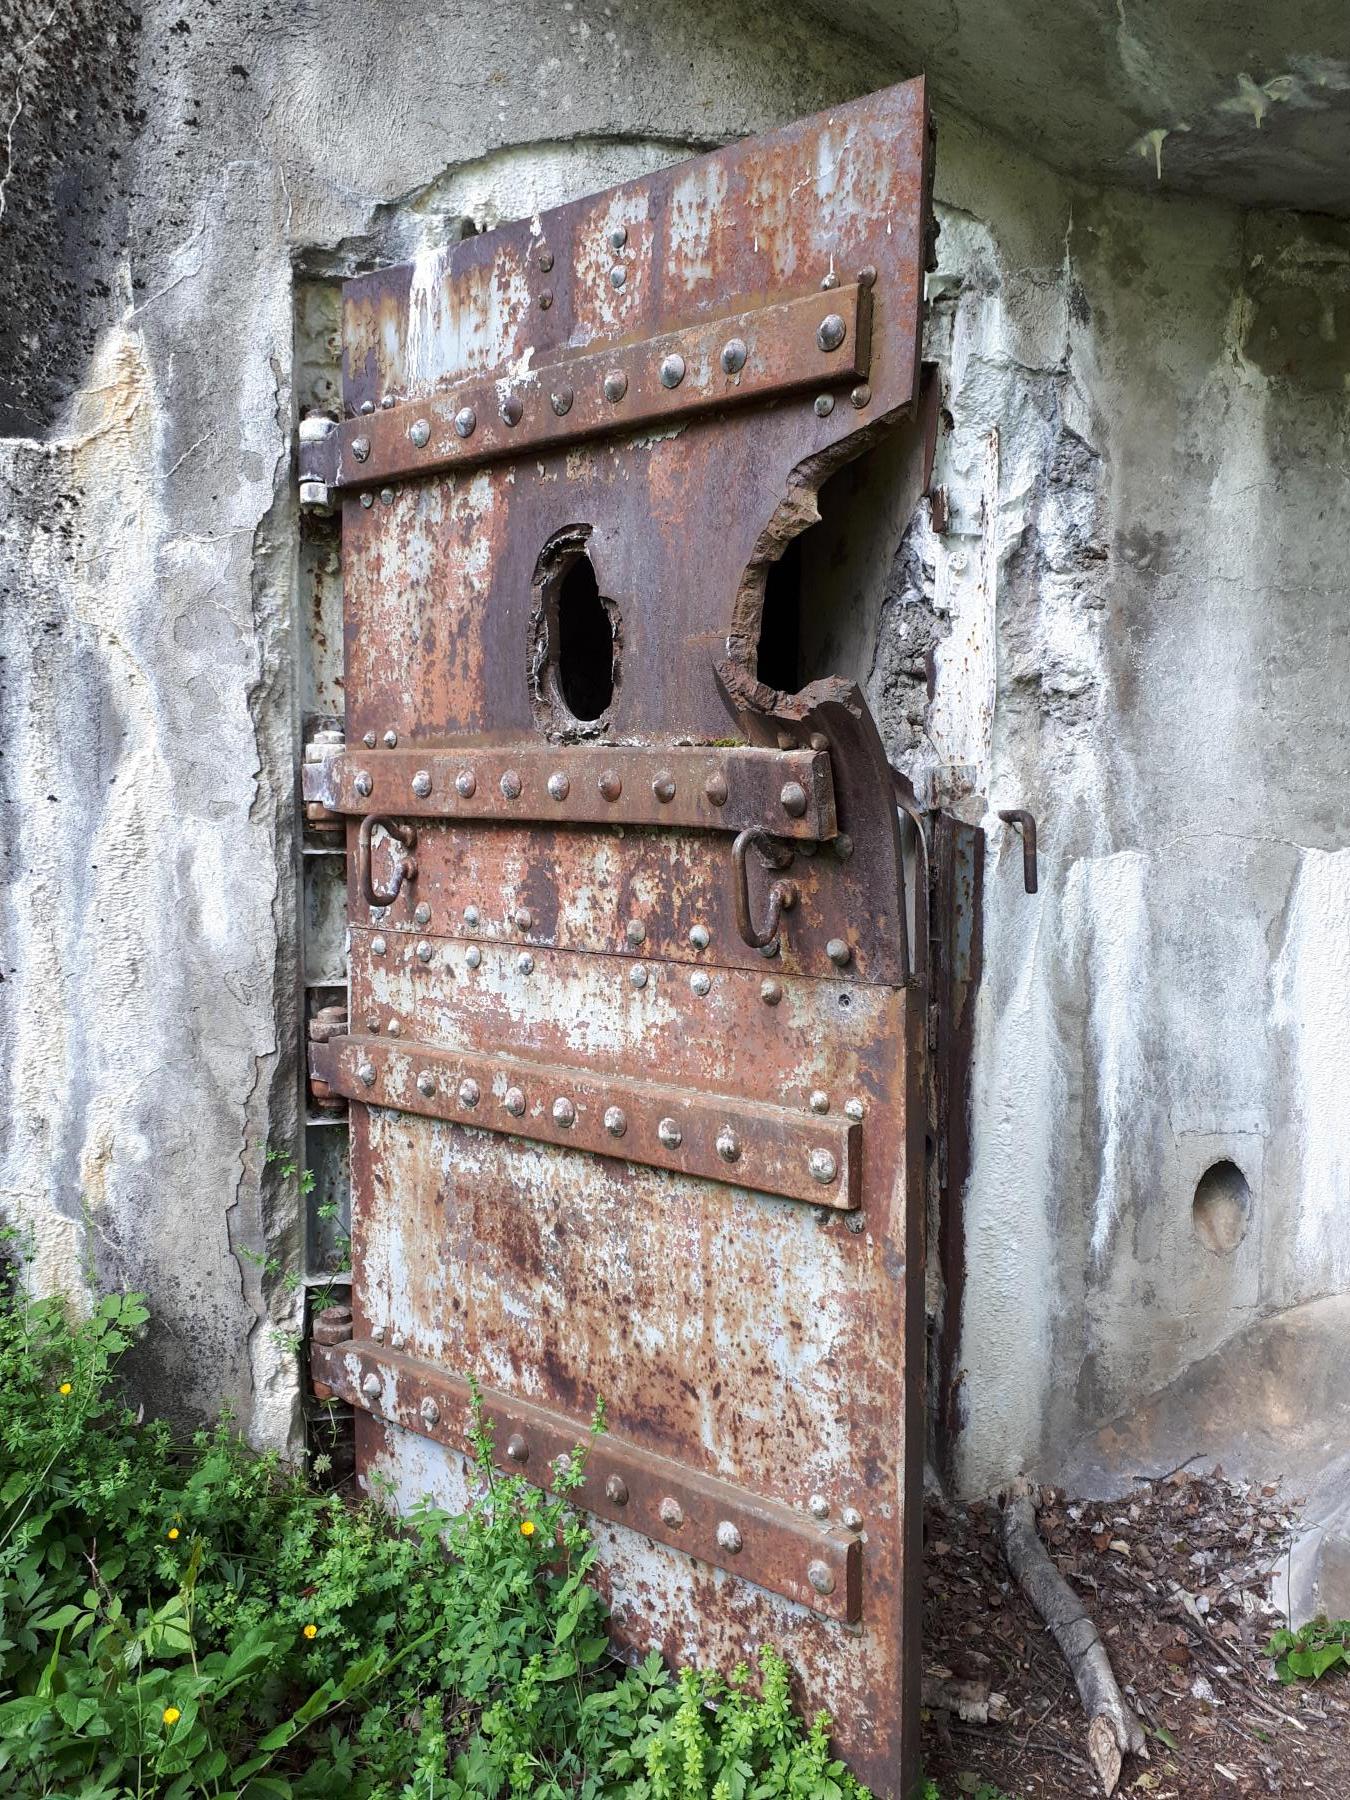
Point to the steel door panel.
(658, 378)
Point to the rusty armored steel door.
(633, 1049)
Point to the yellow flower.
(64, 1388)
(311, 1631)
(171, 1715)
(173, 1533)
(527, 1527)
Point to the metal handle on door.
(782, 895)
(404, 869)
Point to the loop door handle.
(782, 895)
(404, 869)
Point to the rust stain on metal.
(636, 1097)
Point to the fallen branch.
(971, 1701)
(1113, 1729)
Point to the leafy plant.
(1312, 1651)
(183, 1619)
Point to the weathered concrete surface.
(1136, 616)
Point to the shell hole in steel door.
(577, 649)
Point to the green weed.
(1312, 1651)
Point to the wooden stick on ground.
(1113, 1729)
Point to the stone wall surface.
(1135, 614)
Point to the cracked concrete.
(1130, 620)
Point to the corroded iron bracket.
(779, 1548)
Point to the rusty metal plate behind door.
(633, 1058)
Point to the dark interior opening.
(585, 642)
(779, 656)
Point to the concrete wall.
(1133, 613)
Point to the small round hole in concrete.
(1221, 1208)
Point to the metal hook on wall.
(1025, 824)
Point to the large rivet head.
(370, 1385)
(564, 1113)
(424, 951)
(361, 448)
(559, 786)
(522, 918)
(831, 331)
(469, 1093)
(701, 982)
(466, 419)
(637, 975)
(513, 409)
(510, 784)
(823, 1167)
(733, 356)
(546, 260)
(618, 237)
(386, 496)
(616, 385)
(820, 1101)
(829, 280)
(616, 1121)
(545, 299)
(514, 1102)
(421, 783)
(517, 1449)
(852, 1518)
(419, 431)
(610, 785)
(861, 395)
(824, 405)
(635, 931)
(821, 1577)
(664, 787)
(771, 992)
(867, 276)
(525, 963)
(363, 782)
(728, 1145)
(618, 275)
(365, 1074)
(466, 784)
(379, 945)
(820, 1506)
(838, 952)
(616, 1490)
(672, 370)
(426, 1084)
(561, 400)
(670, 1134)
(728, 1537)
(422, 913)
(391, 739)
(672, 1513)
(698, 937)
(715, 787)
(367, 406)
(853, 1109)
(394, 1028)
(429, 1412)
(473, 956)
(370, 740)
(471, 915)
(793, 798)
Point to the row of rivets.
(793, 796)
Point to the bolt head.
(616, 1490)
(616, 1121)
(424, 951)
(793, 798)
(513, 409)
(831, 332)
(517, 1449)
(466, 421)
(670, 1134)
(698, 937)
(839, 952)
(430, 1412)
(559, 786)
(771, 992)
(426, 1084)
(824, 405)
(733, 356)
(728, 1145)
(363, 782)
(422, 913)
(561, 400)
(514, 1102)
(525, 963)
(618, 275)
(421, 783)
(635, 931)
(473, 956)
(366, 1074)
(672, 1513)
(564, 1113)
(616, 385)
(853, 1109)
(715, 788)
(379, 945)
(618, 237)
(360, 448)
(419, 431)
(510, 784)
(820, 1101)
(469, 1093)
(672, 370)
(820, 1506)
(823, 1166)
(821, 1577)
(701, 982)
(664, 787)
(370, 1385)
(728, 1537)
(638, 975)
(466, 784)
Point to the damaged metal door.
(634, 1043)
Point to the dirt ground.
(1176, 1578)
